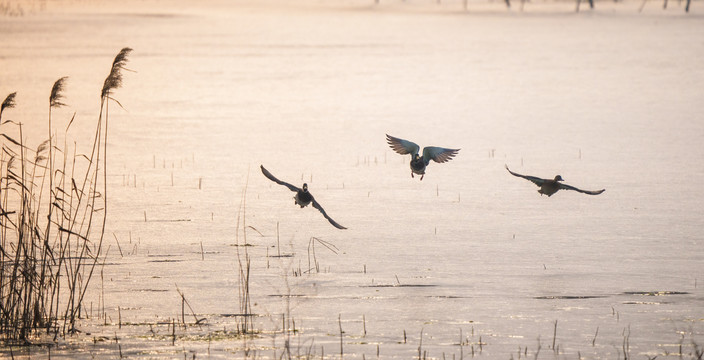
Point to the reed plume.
(114, 79)
(8, 103)
(56, 93)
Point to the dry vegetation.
(53, 206)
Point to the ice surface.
(471, 257)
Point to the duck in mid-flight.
(303, 196)
(550, 186)
(419, 163)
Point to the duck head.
(558, 178)
(305, 187)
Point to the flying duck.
(550, 186)
(303, 197)
(418, 163)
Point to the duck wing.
(320, 208)
(438, 154)
(274, 179)
(589, 192)
(402, 146)
(536, 180)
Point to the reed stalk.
(244, 265)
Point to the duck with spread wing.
(303, 196)
(551, 186)
(419, 163)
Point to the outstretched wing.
(536, 180)
(320, 208)
(438, 154)
(274, 179)
(590, 192)
(401, 146)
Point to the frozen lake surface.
(470, 261)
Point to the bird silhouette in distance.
(419, 163)
(303, 196)
(551, 186)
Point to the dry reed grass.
(53, 207)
